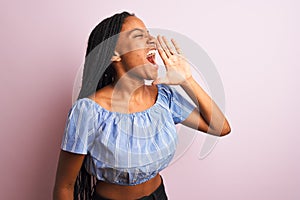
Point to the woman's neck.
(130, 88)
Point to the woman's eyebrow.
(137, 29)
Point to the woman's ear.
(116, 57)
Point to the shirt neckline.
(128, 114)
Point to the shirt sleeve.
(79, 128)
(180, 107)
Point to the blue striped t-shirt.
(126, 149)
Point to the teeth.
(151, 52)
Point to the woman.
(120, 133)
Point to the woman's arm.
(68, 168)
(208, 117)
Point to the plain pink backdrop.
(254, 45)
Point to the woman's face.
(137, 49)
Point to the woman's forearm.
(207, 107)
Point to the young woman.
(120, 133)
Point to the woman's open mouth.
(151, 56)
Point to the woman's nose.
(152, 40)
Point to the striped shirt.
(126, 149)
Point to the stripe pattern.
(126, 149)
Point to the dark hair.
(97, 73)
(98, 70)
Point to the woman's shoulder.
(102, 96)
(165, 90)
(99, 97)
(83, 105)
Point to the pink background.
(254, 45)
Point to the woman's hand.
(177, 67)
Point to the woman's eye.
(140, 35)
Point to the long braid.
(101, 46)
(97, 73)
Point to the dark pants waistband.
(158, 194)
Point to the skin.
(129, 94)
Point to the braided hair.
(98, 70)
(97, 73)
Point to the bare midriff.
(124, 192)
